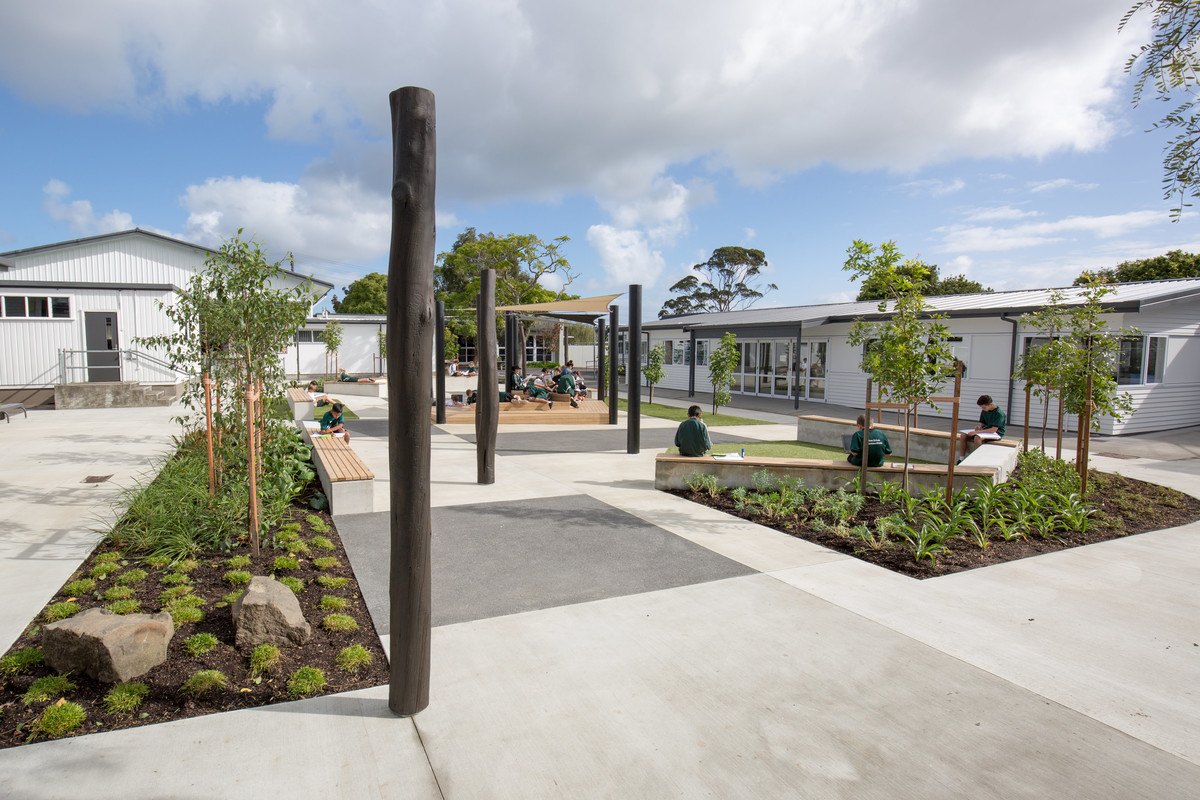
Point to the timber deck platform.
(590, 412)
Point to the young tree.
(925, 279)
(722, 361)
(367, 295)
(908, 355)
(332, 337)
(720, 284)
(654, 372)
(1047, 367)
(1168, 68)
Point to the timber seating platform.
(924, 443)
(346, 479)
(300, 402)
(590, 412)
(8, 408)
(674, 472)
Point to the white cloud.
(538, 98)
(1061, 183)
(998, 214)
(78, 214)
(749, 234)
(988, 238)
(625, 255)
(959, 265)
(933, 187)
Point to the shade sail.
(583, 309)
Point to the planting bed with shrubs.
(1039, 510)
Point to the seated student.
(565, 384)
(471, 397)
(344, 378)
(878, 443)
(332, 423)
(537, 391)
(691, 437)
(991, 426)
(454, 401)
(318, 397)
(467, 370)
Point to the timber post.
(410, 334)
(954, 434)
(439, 363)
(1025, 440)
(487, 395)
(633, 373)
(208, 433)
(601, 380)
(866, 443)
(612, 365)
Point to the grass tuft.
(329, 562)
(305, 682)
(264, 658)
(205, 681)
(236, 577)
(183, 615)
(237, 562)
(130, 578)
(295, 584)
(20, 661)
(102, 571)
(232, 597)
(200, 643)
(331, 603)
(158, 562)
(317, 524)
(174, 593)
(322, 542)
(339, 623)
(58, 720)
(106, 558)
(43, 690)
(354, 658)
(60, 611)
(127, 606)
(174, 579)
(124, 698)
(187, 565)
(118, 593)
(285, 564)
(81, 586)
(298, 548)
(330, 582)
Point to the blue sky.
(994, 140)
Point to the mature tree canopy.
(1175, 264)
(923, 278)
(1168, 69)
(723, 283)
(521, 261)
(367, 295)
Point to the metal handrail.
(67, 365)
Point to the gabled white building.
(803, 352)
(70, 312)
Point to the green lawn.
(680, 414)
(279, 409)
(779, 449)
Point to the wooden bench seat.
(674, 472)
(299, 402)
(347, 480)
(8, 408)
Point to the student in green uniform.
(879, 445)
(332, 422)
(692, 435)
(565, 384)
(991, 426)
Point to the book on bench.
(980, 434)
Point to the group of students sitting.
(991, 426)
(536, 388)
(456, 370)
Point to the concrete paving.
(712, 658)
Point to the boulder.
(108, 647)
(268, 611)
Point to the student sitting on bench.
(333, 424)
(991, 426)
(344, 378)
(691, 437)
(879, 445)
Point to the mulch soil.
(164, 701)
(1125, 507)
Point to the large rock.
(268, 611)
(108, 647)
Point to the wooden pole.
(633, 373)
(410, 368)
(866, 445)
(612, 365)
(208, 433)
(953, 432)
(601, 382)
(487, 395)
(1025, 440)
(1062, 395)
(252, 515)
(439, 363)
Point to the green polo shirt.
(878, 451)
(692, 437)
(993, 419)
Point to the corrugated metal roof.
(1127, 296)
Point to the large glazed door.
(103, 350)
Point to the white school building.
(70, 312)
(803, 352)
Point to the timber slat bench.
(300, 402)
(674, 471)
(923, 443)
(8, 408)
(347, 480)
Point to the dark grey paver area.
(379, 427)
(492, 559)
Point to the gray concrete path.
(769, 667)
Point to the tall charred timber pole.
(601, 382)
(633, 374)
(487, 395)
(439, 358)
(612, 365)
(410, 323)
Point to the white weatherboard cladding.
(123, 260)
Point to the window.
(668, 357)
(1141, 360)
(309, 336)
(702, 352)
(43, 307)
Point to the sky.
(996, 140)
